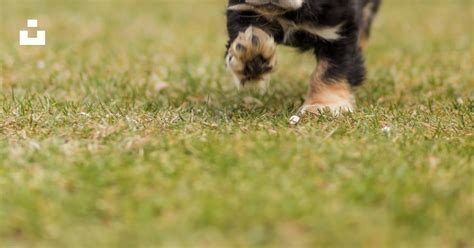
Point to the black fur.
(345, 54)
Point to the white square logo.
(38, 40)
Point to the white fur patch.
(242, 7)
(336, 104)
(286, 4)
(326, 33)
(231, 63)
(335, 108)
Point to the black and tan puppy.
(335, 30)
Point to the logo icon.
(26, 40)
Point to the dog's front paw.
(251, 56)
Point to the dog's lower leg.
(326, 94)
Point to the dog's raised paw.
(251, 56)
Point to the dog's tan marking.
(332, 95)
(363, 40)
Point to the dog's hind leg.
(340, 67)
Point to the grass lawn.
(126, 131)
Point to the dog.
(336, 31)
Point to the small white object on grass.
(386, 129)
(294, 119)
(40, 64)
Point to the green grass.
(94, 154)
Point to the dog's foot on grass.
(335, 98)
(251, 56)
(335, 109)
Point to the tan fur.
(333, 95)
(363, 40)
